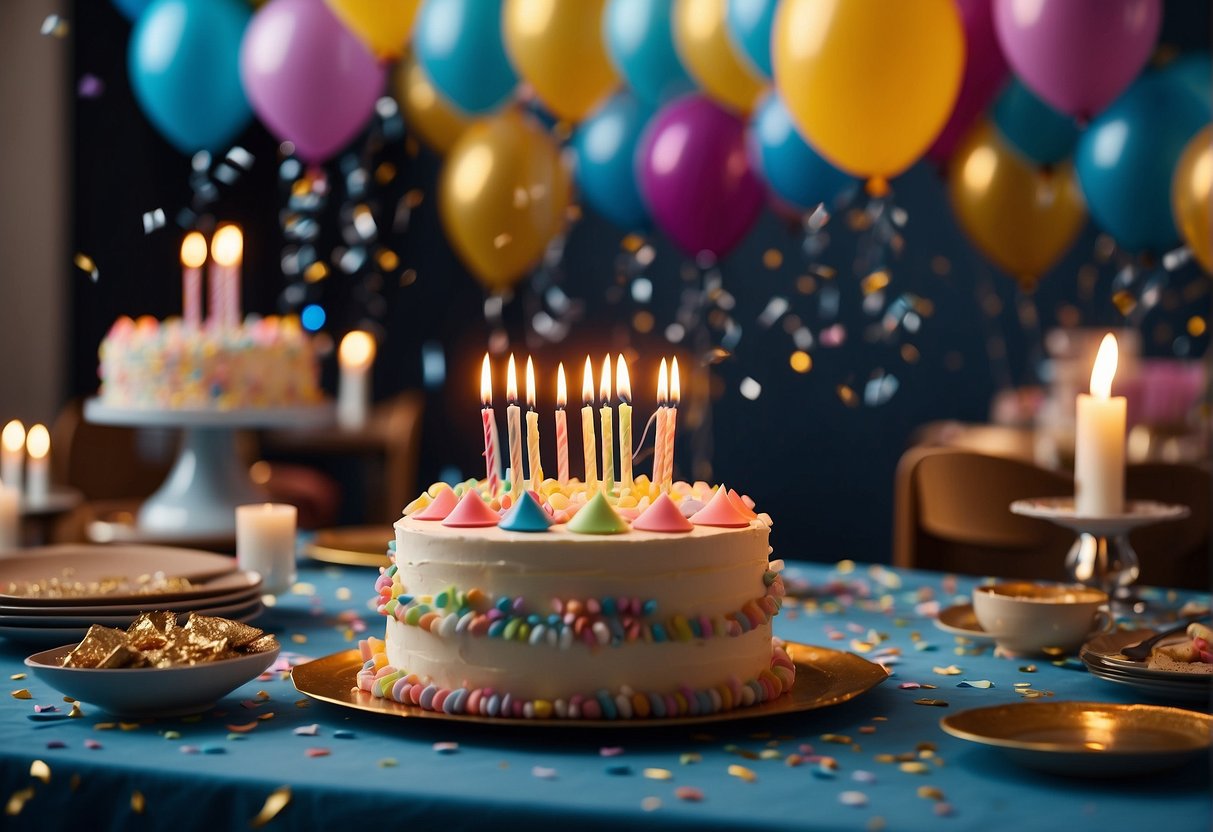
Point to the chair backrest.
(108, 463)
(1178, 553)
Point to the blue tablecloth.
(383, 772)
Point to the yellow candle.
(605, 414)
(663, 393)
(589, 443)
(1099, 441)
(562, 428)
(532, 427)
(513, 422)
(623, 387)
(671, 424)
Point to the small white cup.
(265, 543)
(1030, 618)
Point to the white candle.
(513, 415)
(623, 387)
(37, 472)
(265, 543)
(534, 462)
(12, 454)
(354, 359)
(1099, 441)
(193, 255)
(606, 418)
(10, 518)
(589, 442)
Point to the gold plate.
(352, 546)
(961, 620)
(824, 677)
(1087, 739)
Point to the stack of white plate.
(1103, 658)
(216, 587)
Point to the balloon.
(131, 9)
(1077, 55)
(695, 177)
(795, 171)
(309, 79)
(458, 42)
(1192, 71)
(1191, 195)
(502, 196)
(749, 25)
(557, 48)
(984, 73)
(703, 43)
(604, 146)
(183, 60)
(640, 42)
(1032, 127)
(427, 113)
(1127, 157)
(869, 83)
(383, 25)
(1020, 216)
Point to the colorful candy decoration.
(440, 507)
(640, 41)
(526, 516)
(459, 45)
(471, 512)
(744, 508)
(1192, 195)
(604, 146)
(598, 517)
(426, 113)
(663, 517)
(720, 512)
(702, 39)
(790, 166)
(383, 25)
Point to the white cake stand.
(208, 481)
(1102, 556)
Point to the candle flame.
(562, 390)
(38, 442)
(604, 384)
(663, 384)
(587, 382)
(1105, 368)
(227, 247)
(623, 382)
(193, 250)
(486, 382)
(13, 437)
(357, 350)
(530, 383)
(675, 384)
(511, 381)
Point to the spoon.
(1142, 649)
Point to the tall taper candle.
(193, 255)
(671, 425)
(562, 428)
(12, 454)
(532, 428)
(663, 395)
(513, 415)
(1099, 441)
(490, 426)
(588, 442)
(606, 416)
(623, 388)
(227, 251)
(37, 471)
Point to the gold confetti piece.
(914, 768)
(858, 646)
(885, 758)
(1028, 668)
(1023, 684)
(17, 801)
(926, 746)
(68, 699)
(867, 729)
(930, 793)
(242, 729)
(75, 713)
(938, 703)
(388, 762)
(299, 638)
(104, 726)
(267, 715)
(343, 593)
(16, 677)
(689, 758)
(263, 695)
(137, 802)
(301, 703)
(772, 258)
(840, 739)
(129, 726)
(658, 774)
(275, 803)
(39, 770)
(22, 694)
(769, 754)
(950, 670)
(877, 824)
(303, 588)
(743, 773)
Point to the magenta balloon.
(308, 78)
(985, 72)
(696, 178)
(1077, 55)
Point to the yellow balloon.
(870, 83)
(557, 48)
(383, 25)
(707, 53)
(1020, 216)
(503, 195)
(438, 122)
(1191, 192)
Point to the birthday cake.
(263, 363)
(570, 602)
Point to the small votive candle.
(265, 543)
(354, 359)
(10, 518)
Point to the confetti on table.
(343, 734)
(689, 758)
(930, 793)
(317, 752)
(22, 694)
(863, 777)
(950, 670)
(662, 773)
(278, 800)
(236, 738)
(56, 744)
(45, 709)
(172, 735)
(619, 769)
(914, 767)
(17, 801)
(650, 804)
(302, 703)
(189, 749)
(856, 799)
(1023, 684)
(39, 770)
(909, 686)
(137, 802)
(1028, 668)
(689, 793)
(243, 728)
(213, 749)
(867, 729)
(16, 677)
(92, 745)
(976, 683)
(543, 773)
(938, 703)
(838, 739)
(610, 751)
(129, 726)
(770, 754)
(446, 747)
(742, 773)
(388, 762)
(943, 809)
(307, 730)
(793, 760)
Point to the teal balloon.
(184, 64)
(640, 41)
(604, 147)
(1126, 157)
(459, 45)
(1032, 127)
(749, 24)
(791, 167)
(1193, 71)
(131, 9)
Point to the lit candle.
(265, 544)
(663, 395)
(623, 388)
(37, 473)
(606, 416)
(1099, 441)
(490, 426)
(227, 251)
(589, 443)
(193, 255)
(12, 454)
(513, 415)
(10, 518)
(671, 424)
(354, 359)
(562, 428)
(532, 427)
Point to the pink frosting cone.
(721, 512)
(663, 516)
(472, 512)
(739, 503)
(439, 507)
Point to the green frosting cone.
(597, 517)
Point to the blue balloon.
(604, 146)
(794, 170)
(131, 9)
(640, 41)
(749, 24)
(459, 45)
(184, 64)
(1032, 127)
(1195, 72)
(1127, 155)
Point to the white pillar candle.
(265, 543)
(354, 358)
(12, 454)
(1099, 448)
(10, 518)
(37, 472)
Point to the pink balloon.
(1077, 55)
(695, 175)
(308, 78)
(985, 72)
